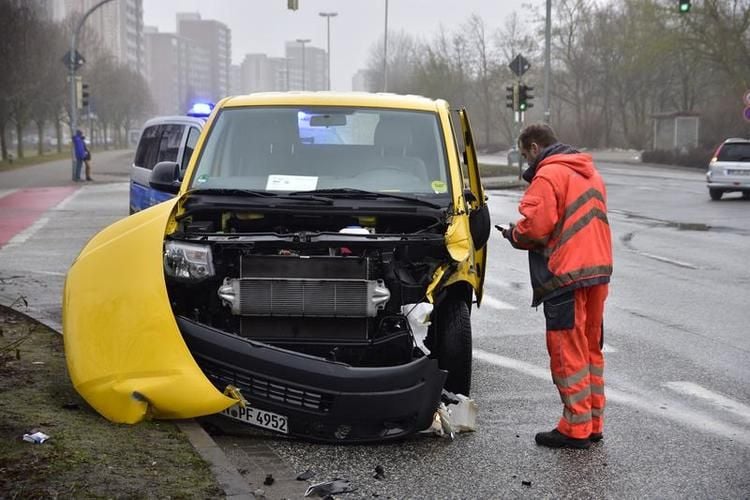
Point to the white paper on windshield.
(291, 183)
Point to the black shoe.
(555, 439)
(595, 437)
(89, 179)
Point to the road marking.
(27, 233)
(608, 348)
(676, 411)
(494, 303)
(667, 260)
(6, 192)
(691, 389)
(21, 210)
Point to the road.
(676, 335)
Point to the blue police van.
(164, 138)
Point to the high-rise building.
(118, 26)
(178, 72)
(315, 67)
(215, 38)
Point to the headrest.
(393, 136)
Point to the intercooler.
(304, 287)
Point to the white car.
(729, 169)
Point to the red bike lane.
(20, 209)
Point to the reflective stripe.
(571, 399)
(597, 412)
(597, 389)
(572, 379)
(597, 371)
(567, 278)
(581, 200)
(574, 418)
(594, 213)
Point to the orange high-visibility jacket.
(565, 226)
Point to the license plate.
(738, 172)
(257, 417)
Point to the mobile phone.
(499, 228)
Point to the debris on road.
(37, 437)
(526, 483)
(269, 480)
(457, 413)
(304, 476)
(379, 472)
(329, 488)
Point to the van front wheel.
(453, 339)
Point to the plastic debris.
(526, 483)
(37, 437)
(458, 415)
(329, 488)
(418, 316)
(304, 476)
(379, 472)
(269, 480)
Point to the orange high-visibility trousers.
(574, 342)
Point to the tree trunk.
(40, 137)
(3, 144)
(58, 132)
(19, 135)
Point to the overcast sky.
(262, 26)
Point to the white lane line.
(494, 303)
(645, 402)
(691, 389)
(27, 233)
(668, 260)
(608, 348)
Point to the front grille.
(254, 387)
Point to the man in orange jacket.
(565, 230)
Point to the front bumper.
(323, 400)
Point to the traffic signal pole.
(72, 62)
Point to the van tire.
(454, 344)
(715, 194)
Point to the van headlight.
(188, 261)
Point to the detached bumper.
(323, 400)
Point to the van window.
(192, 140)
(146, 155)
(169, 145)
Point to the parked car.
(164, 138)
(280, 286)
(729, 169)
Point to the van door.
(479, 219)
(170, 145)
(143, 163)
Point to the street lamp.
(385, 50)
(328, 16)
(72, 75)
(303, 41)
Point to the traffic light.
(84, 95)
(511, 98)
(525, 97)
(292, 4)
(684, 6)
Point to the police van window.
(148, 147)
(169, 146)
(192, 140)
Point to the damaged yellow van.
(314, 275)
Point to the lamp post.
(385, 50)
(72, 76)
(547, 69)
(303, 41)
(328, 16)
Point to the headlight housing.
(188, 261)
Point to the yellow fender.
(124, 353)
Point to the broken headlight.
(187, 261)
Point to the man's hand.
(507, 232)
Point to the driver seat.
(392, 140)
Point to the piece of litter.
(37, 437)
(379, 472)
(268, 481)
(304, 476)
(70, 406)
(37, 362)
(329, 488)
(526, 483)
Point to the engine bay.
(336, 285)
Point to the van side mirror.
(165, 177)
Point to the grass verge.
(486, 170)
(86, 455)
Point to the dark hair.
(541, 133)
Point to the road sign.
(747, 97)
(77, 62)
(746, 114)
(519, 65)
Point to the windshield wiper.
(353, 193)
(256, 193)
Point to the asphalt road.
(676, 335)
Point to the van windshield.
(314, 148)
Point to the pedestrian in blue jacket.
(79, 147)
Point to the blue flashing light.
(200, 109)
